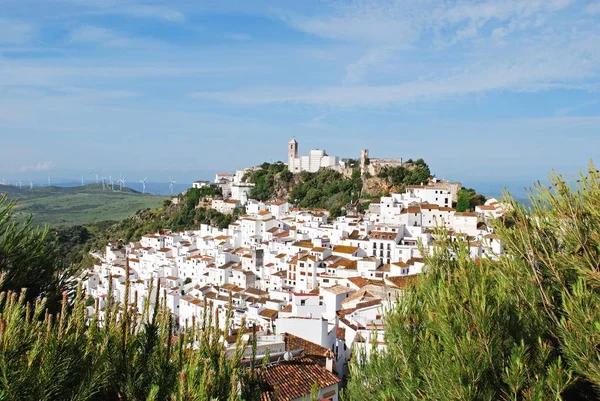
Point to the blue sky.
(497, 90)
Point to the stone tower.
(364, 160)
(292, 155)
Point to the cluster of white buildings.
(294, 272)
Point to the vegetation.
(326, 189)
(524, 327)
(468, 199)
(268, 179)
(415, 173)
(184, 216)
(66, 357)
(28, 260)
(78, 205)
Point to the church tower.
(292, 155)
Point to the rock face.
(375, 186)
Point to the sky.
(496, 91)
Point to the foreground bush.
(526, 327)
(127, 357)
(29, 260)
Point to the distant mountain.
(155, 188)
(78, 205)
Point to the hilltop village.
(314, 287)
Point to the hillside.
(78, 205)
(332, 190)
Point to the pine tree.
(523, 327)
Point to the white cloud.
(403, 22)
(14, 32)
(383, 22)
(239, 37)
(158, 12)
(372, 59)
(40, 166)
(593, 8)
(96, 35)
(532, 68)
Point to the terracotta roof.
(293, 342)
(359, 296)
(339, 289)
(465, 214)
(293, 380)
(268, 313)
(383, 235)
(402, 281)
(345, 249)
(358, 281)
(303, 244)
(287, 308)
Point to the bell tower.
(292, 155)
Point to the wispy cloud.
(593, 8)
(15, 32)
(96, 35)
(40, 166)
(239, 37)
(526, 70)
(373, 58)
(128, 8)
(159, 12)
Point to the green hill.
(78, 205)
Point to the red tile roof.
(292, 380)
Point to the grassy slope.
(78, 205)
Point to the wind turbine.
(144, 185)
(4, 181)
(82, 181)
(171, 182)
(121, 182)
(97, 179)
(49, 182)
(20, 184)
(30, 185)
(104, 183)
(112, 187)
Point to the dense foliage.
(468, 198)
(122, 357)
(326, 189)
(29, 260)
(414, 173)
(524, 327)
(268, 179)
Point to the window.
(303, 302)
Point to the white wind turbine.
(4, 181)
(110, 182)
(121, 183)
(104, 183)
(97, 182)
(82, 181)
(49, 182)
(20, 184)
(171, 182)
(30, 185)
(144, 185)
